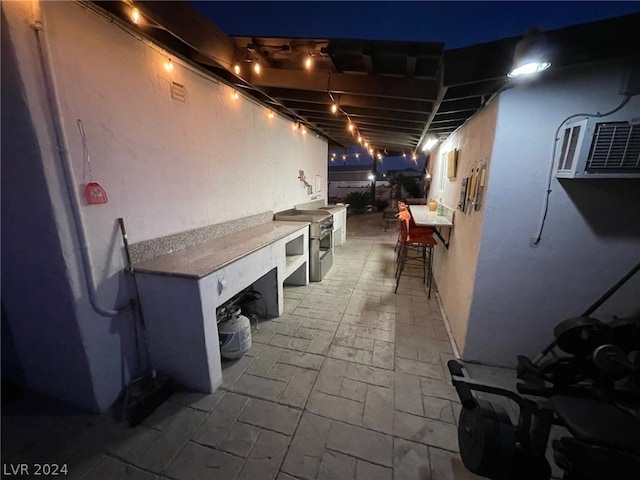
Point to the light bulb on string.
(257, 68)
(366, 144)
(414, 157)
(308, 63)
(168, 65)
(235, 95)
(334, 108)
(135, 16)
(237, 69)
(359, 139)
(304, 130)
(271, 115)
(350, 127)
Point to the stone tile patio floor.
(350, 383)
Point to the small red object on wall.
(95, 194)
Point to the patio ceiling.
(395, 93)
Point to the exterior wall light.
(530, 55)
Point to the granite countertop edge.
(205, 258)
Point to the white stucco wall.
(592, 233)
(454, 269)
(167, 166)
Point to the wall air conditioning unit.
(595, 148)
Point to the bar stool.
(403, 214)
(419, 239)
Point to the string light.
(304, 130)
(334, 108)
(359, 139)
(308, 63)
(271, 115)
(135, 16)
(168, 65)
(379, 155)
(257, 68)
(414, 157)
(366, 144)
(236, 69)
(235, 95)
(350, 127)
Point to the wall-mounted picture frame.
(452, 164)
(462, 203)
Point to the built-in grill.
(320, 238)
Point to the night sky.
(457, 24)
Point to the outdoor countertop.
(200, 260)
(335, 208)
(426, 218)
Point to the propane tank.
(234, 333)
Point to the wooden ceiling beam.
(350, 100)
(340, 83)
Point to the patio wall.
(502, 296)
(167, 166)
(455, 269)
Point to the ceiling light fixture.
(530, 55)
(429, 144)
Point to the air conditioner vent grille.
(615, 148)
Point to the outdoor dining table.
(423, 217)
